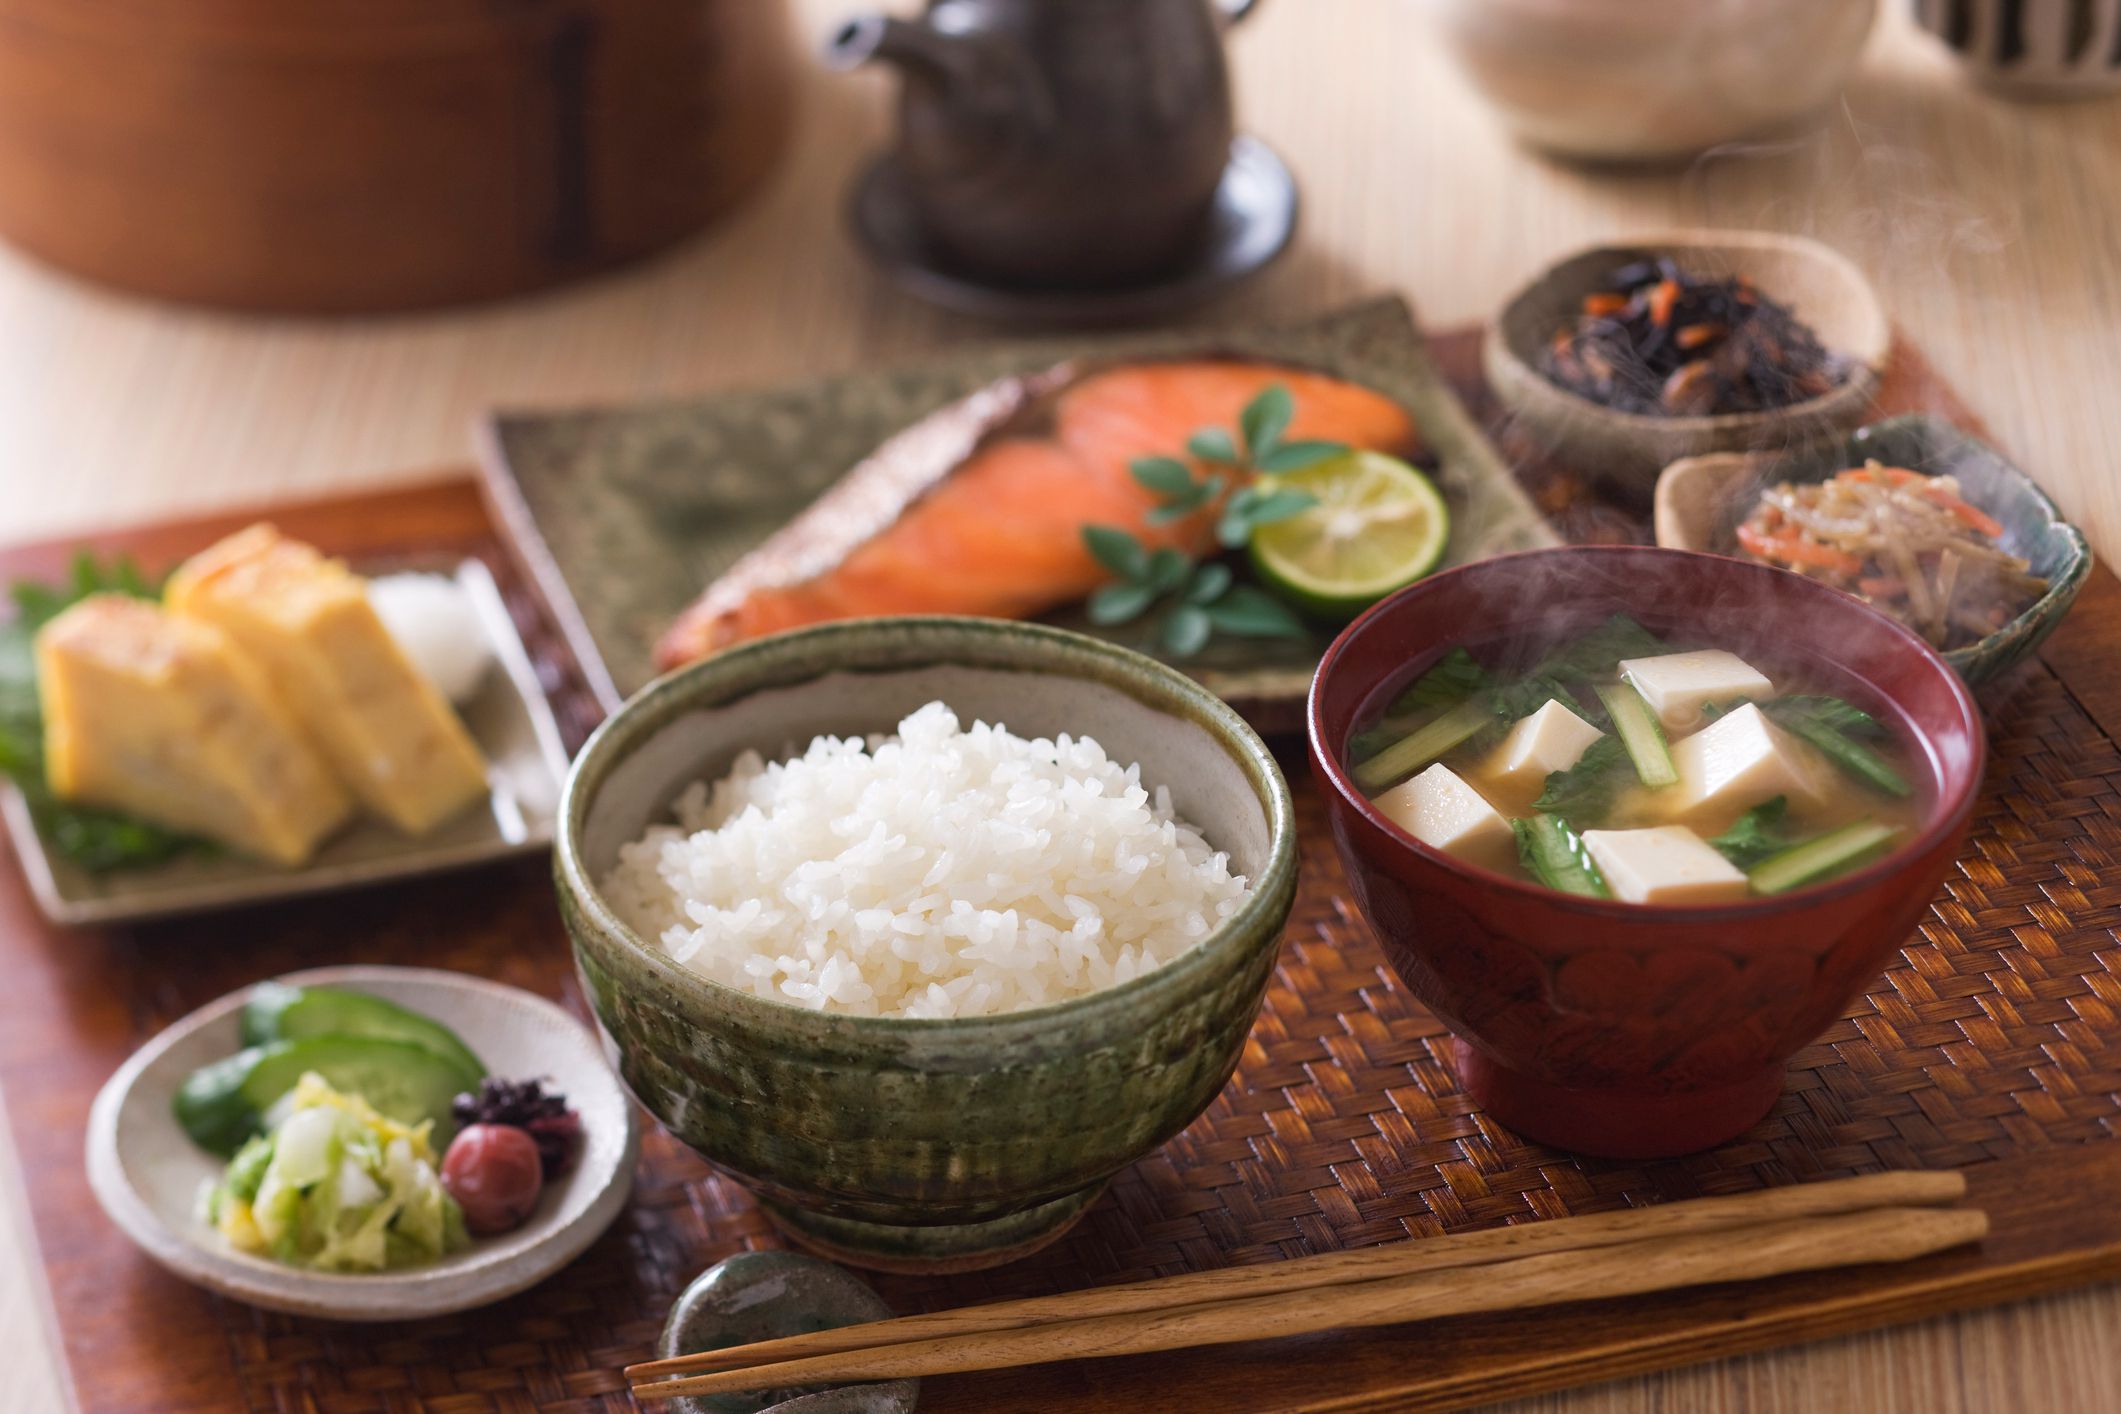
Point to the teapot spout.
(953, 61)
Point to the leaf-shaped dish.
(1700, 501)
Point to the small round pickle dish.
(147, 1174)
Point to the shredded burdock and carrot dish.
(1908, 543)
(1659, 340)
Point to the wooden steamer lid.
(339, 156)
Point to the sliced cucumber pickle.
(277, 1012)
(222, 1104)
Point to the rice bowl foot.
(934, 1250)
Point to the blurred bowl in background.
(1642, 80)
(2032, 48)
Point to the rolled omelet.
(163, 718)
(386, 732)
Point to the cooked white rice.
(935, 873)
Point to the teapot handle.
(1234, 12)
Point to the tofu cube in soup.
(1551, 739)
(1678, 685)
(1438, 808)
(1668, 864)
(1737, 762)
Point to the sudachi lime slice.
(1379, 524)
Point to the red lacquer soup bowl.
(1617, 1029)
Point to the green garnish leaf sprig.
(1196, 600)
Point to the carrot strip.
(1795, 549)
(1604, 303)
(1661, 301)
(1884, 475)
(1882, 586)
(1972, 516)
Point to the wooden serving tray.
(1993, 1045)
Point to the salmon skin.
(979, 508)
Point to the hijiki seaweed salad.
(1663, 341)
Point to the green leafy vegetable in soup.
(1758, 834)
(1617, 765)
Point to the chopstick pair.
(1845, 1222)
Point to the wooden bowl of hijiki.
(1925, 522)
(1631, 354)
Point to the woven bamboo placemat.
(1994, 1044)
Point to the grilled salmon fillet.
(980, 508)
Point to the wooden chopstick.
(1651, 1264)
(1593, 1230)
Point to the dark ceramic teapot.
(1060, 143)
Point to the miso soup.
(1618, 765)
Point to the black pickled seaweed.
(1658, 340)
(529, 1106)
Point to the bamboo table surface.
(1988, 227)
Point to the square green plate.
(622, 515)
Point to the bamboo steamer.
(333, 156)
